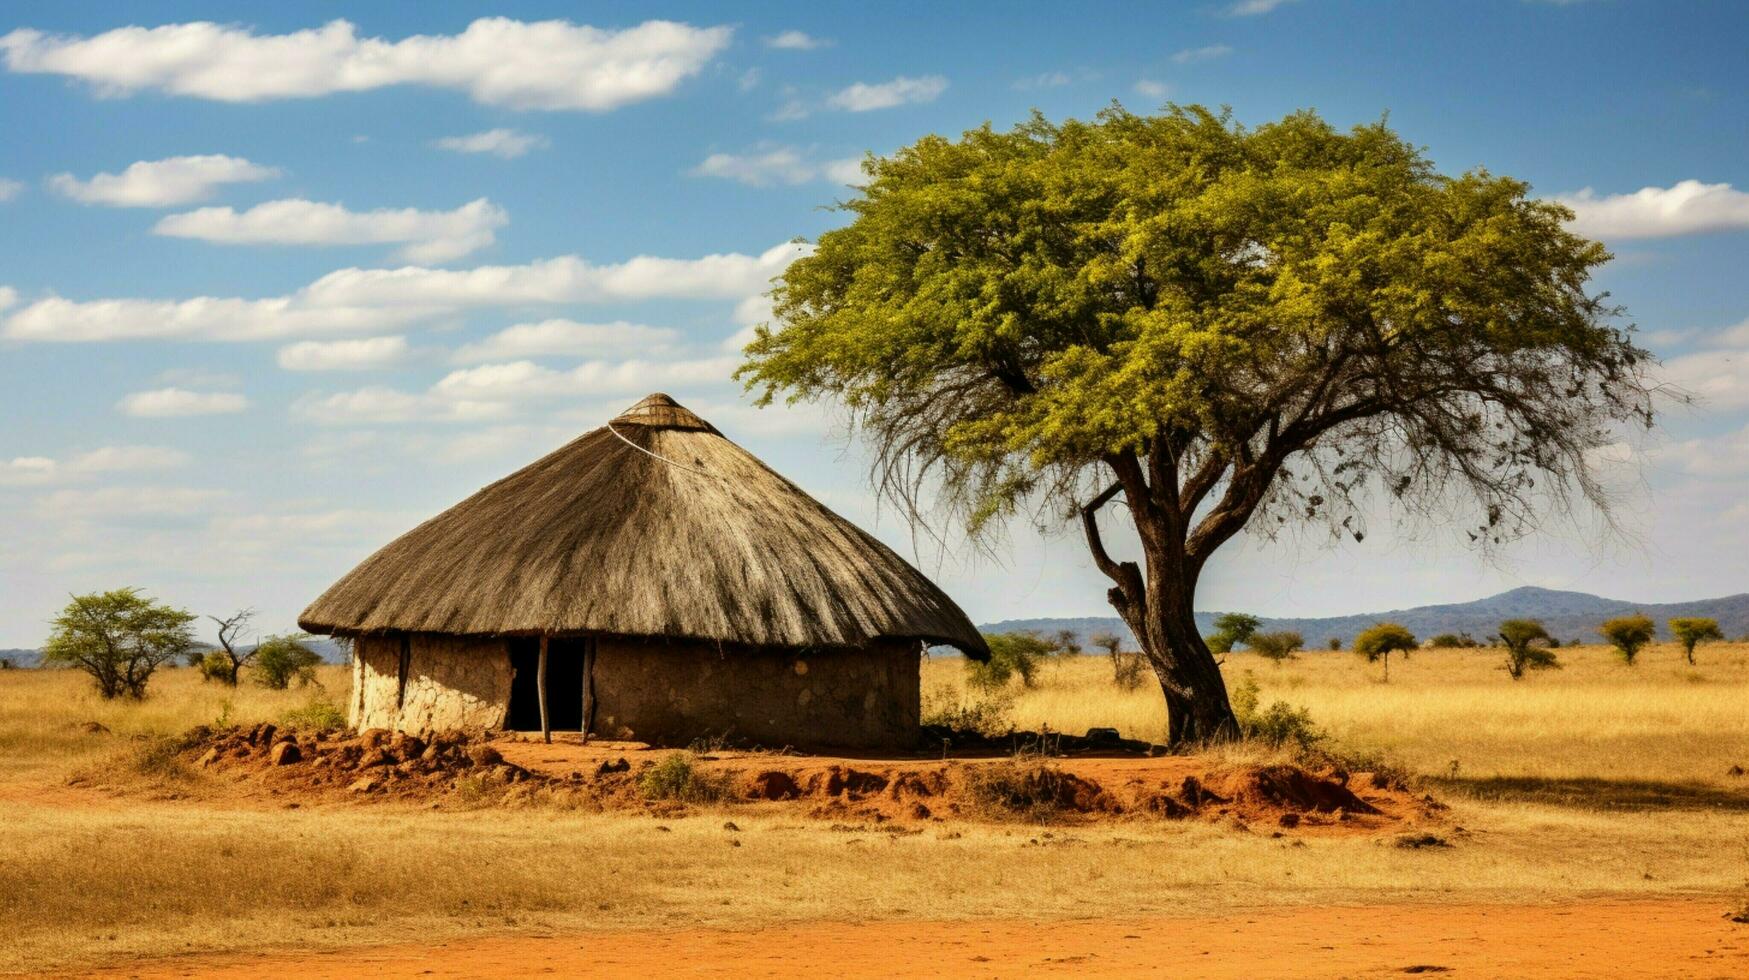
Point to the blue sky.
(273, 289)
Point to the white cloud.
(796, 41)
(162, 183)
(778, 165)
(507, 144)
(1153, 89)
(29, 470)
(1735, 336)
(1049, 79)
(371, 300)
(180, 402)
(344, 355)
(380, 404)
(566, 337)
(8, 297)
(9, 189)
(748, 81)
(1190, 56)
(430, 236)
(863, 97)
(498, 61)
(790, 111)
(124, 502)
(1254, 8)
(1720, 377)
(1690, 207)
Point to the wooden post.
(588, 686)
(546, 730)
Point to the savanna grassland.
(1597, 781)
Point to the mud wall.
(676, 692)
(452, 682)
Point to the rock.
(773, 785)
(431, 754)
(1734, 771)
(484, 755)
(372, 738)
(730, 826)
(94, 728)
(617, 765)
(373, 757)
(263, 734)
(1418, 841)
(406, 746)
(1102, 735)
(919, 812)
(211, 756)
(284, 754)
(366, 785)
(1289, 820)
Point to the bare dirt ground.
(1666, 938)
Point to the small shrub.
(159, 758)
(1276, 725)
(984, 712)
(1232, 629)
(679, 778)
(1129, 668)
(1024, 787)
(1011, 654)
(215, 666)
(317, 713)
(279, 660)
(1334, 643)
(1452, 641)
(1628, 634)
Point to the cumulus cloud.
(430, 236)
(8, 297)
(1255, 8)
(180, 402)
(27, 470)
(1190, 56)
(109, 503)
(493, 391)
(778, 165)
(507, 144)
(1689, 207)
(552, 65)
(344, 355)
(1049, 79)
(796, 41)
(371, 300)
(9, 189)
(863, 97)
(162, 183)
(566, 337)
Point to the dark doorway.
(564, 684)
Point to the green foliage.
(1628, 634)
(1276, 725)
(1277, 646)
(317, 713)
(216, 666)
(678, 777)
(120, 638)
(1520, 637)
(1011, 654)
(1334, 643)
(1065, 643)
(279, 660)
(1690, 631)
(1379, 641)
(1231, 629)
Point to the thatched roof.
(654, 525)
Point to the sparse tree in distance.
(1010, 654)
(1520, 636)
(1224, 326)
(279, 660)
(1691, 631)
(120, 638)
(1126, 665)
(1452, 641)
(1277, 646)
(1232, 629)
(1378, 642)
(1067, 643)
(225, 663)
(1334, 643)
(1628, 634)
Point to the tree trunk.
(1197, 709)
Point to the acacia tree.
(1691, 631)
(228, 661)
(1277, 646)
(1232, 629)
(1221, 327)
(1519, 637)
(1628, 634)
(1379, 641)
(120, 638)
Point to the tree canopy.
(1379, 641)
(1522, 654)
(1691, 631)
(1628, 634)
(1227, 326)
(120, 638)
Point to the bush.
(1693, 630)
(1024, 787)
(1277, 646)
(1379, 642)
(281, 659)
(679, 778)
(1520, 636)
(1334, 643)
(1276, 725)
(1628, 634)
(214, 666)
(317, 713)
(1010, 654)
(1452, 641)
(1129, 668)
(985, 713)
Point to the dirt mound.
(475, 770)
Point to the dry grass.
(87, 877)
(1453, 712)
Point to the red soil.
(1686, 938)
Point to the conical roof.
(654, 525)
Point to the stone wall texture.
(452, 682)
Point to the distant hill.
(21, 658)
(331, 651)
(1568, 615)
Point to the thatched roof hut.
(652, 539)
